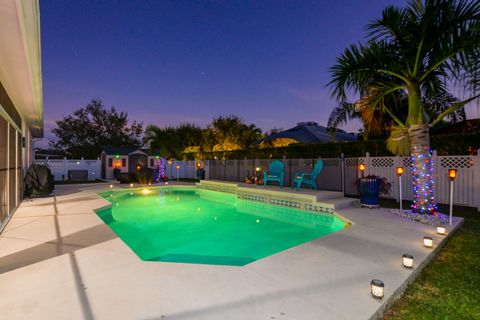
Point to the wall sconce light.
(428, 242)
(111, 186)
(131, 185)
(407, 260)
(258, 169)
(441, 230)
(377, 288)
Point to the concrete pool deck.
(58, 260)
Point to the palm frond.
(341, 114)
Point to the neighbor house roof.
(310, 132)
(123, 151)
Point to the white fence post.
(368, 163)
(476, 178)
(65, 172)
(435, 170)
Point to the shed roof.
(123, 151)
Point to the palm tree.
(418, 51)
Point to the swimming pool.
(189, 225)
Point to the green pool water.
(191, 225)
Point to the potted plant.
(370, 187)
(200, 173)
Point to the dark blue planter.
(369, 191)
(200, 174)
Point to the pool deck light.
(377, 288)
(400, 171)
(441, 230)
(452, 174)
(428, 242)
(362, 168)
(407, 260)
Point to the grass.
(449, 287)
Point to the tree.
(173, 140)
(417, 51)
(89, 129)
(231, 133)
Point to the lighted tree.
(418, 51)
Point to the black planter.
(200, 174)
(369, 191)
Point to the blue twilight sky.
(167, 62)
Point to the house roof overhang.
(20, 60)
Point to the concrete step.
(330, 199)
(342, 203)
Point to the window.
(152, 164)
(124, 162)
(110, 162)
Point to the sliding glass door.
(11, 182)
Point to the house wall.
(15, 156)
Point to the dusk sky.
(168, 62)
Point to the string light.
(423, 183)
(161, 172)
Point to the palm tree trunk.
(422, 169)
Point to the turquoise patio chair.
(308, 178)
(275, 173)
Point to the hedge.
(452, 144)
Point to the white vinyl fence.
(341, 174)
(187, 169)
(466, 186)
(338, 174)
(61, 168)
